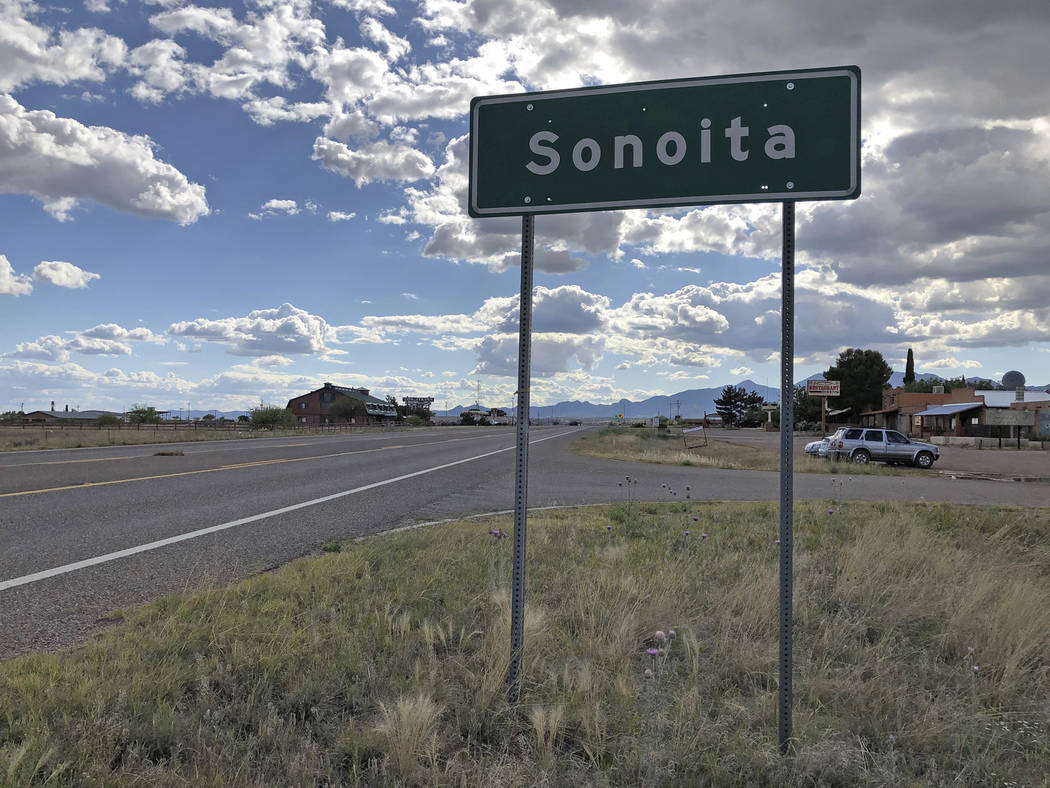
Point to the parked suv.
(864, 444)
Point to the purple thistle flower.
(696, 519)
(976, 668)
(970, 649)
(892, 737)
(652, 652)
(660, 636)
(671, 633)
(687, 533)
(777, 541)
(664, 485)
(608, 528)
(703, 536)
(619, 484)
(831, 511)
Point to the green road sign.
(782, 135)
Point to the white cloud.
(274, 207)
(116, 332)
(378, 161)
(341, 216)
(60, 162)
(12, 283)
(49, 348)
(30, 53)
(267, 111)
(395, 46)
(286, 330)
(62, 274)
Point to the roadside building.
(989, 414)
(311, 409)
(900, 409)
(67, 416)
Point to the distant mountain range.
(691, 403)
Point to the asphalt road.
(86, 531)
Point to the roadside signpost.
(780, 136)
(823, 389)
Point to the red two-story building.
(312, 409)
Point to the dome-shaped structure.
(1013, 379)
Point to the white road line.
(142, 548)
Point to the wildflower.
(777, 541)
(664, 485)
(970, 649)
(976, 668)
(703, 536)
(652, 652)
(831, 511)
(687, 533)
(696, 519)
(608, 528)
(660, 636)
(892, 737)
(671, 633)
(619, 484)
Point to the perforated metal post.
(521, 470)
(787, 418)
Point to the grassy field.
(667, 446)
(15, 439)
(922, 636)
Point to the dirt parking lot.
(997, 463)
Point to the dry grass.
(385, 663)
(667, 447)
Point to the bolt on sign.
(764, 137)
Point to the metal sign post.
(775, 136)
(521, 468)
(787, 496)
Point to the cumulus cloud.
(62, 274)
(284, 331)
(276, 207)
(61, 162)
(30, 53)
(378, 161)
(12, 283)
(341, 216)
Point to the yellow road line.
(234, 467)
(68, 462)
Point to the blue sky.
(226, 204)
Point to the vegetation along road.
(84, 532)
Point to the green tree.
(272, 417)
(909, 368)
(10, 417)
(807, 408)
(243, 418)
(107, 420)
(208, 418)
(734, 403)
(348, 409)
(861, 375)
(143, 414)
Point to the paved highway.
(86, 531)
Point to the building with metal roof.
(311, 409)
